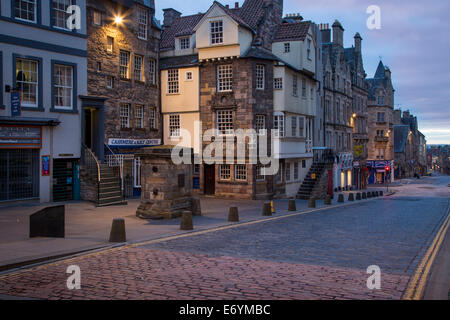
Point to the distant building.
(359, 112)
(380, 107)
(338, 100)
(42, 59)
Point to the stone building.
(380, 107)
(123, 51)
(217, 67)
(338, 99)
(409, 146)
(354, 58)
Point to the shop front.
(342, 171)
(120, 153)
(380, 171)
(22, 164)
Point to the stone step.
(111, 201)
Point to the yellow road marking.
(184, 235)
(417, 284)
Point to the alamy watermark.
(374, 20)
(74, 280)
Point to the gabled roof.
(400, 137)
(293, 31)
(248, 15)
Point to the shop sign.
(133, 143)
(20, 137)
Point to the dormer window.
(287, 47)
(216, 28)
(185, 43)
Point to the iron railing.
(92, 166)
(114, 160)
(323, 155)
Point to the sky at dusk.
(413, 41)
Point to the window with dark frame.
(25, 10)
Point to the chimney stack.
(358, 40)
(170, 15)
(236, 5)
(338, 33)
(326, 33)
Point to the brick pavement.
(140, 273)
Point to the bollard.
(328, 200)
(369, 195)
(341, 198)
(196, 208)
(351, 197)
(312, 203)
(381, 193)
(272, 210)
(233, 215)
(186, 221)
(267, 210)
(118, 231)
(364, 195)
(376, 193)
(358, 196)
(292, 206)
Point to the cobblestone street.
(318, 255)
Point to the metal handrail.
(120, 163)
(88, 161)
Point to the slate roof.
(381, 71)
(293, 31)
(248, 15)
(178, 62)
(400, 137)
(260, 53)
(181, 26)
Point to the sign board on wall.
(45, 165)
(133, 143)
(15, 103)
(20, 137)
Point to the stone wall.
(125, 90)
(246, 102)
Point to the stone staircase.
(99, 182)
(309, 184)
(109, 189)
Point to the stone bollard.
(341, 198)
(364, 195)
(381, 193)
(186, 221)
(292, 206)
(358, 196)
(267, 210)
(196, 207)
(233, 215)
(369, 195)
(327, 200)
(312, 203)
(118, 231)
(376, 194)
(351, 197)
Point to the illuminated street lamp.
(118, 20)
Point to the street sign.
(15, 103)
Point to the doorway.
(88, 127)
(209, 179)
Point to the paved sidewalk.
(88, 227)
